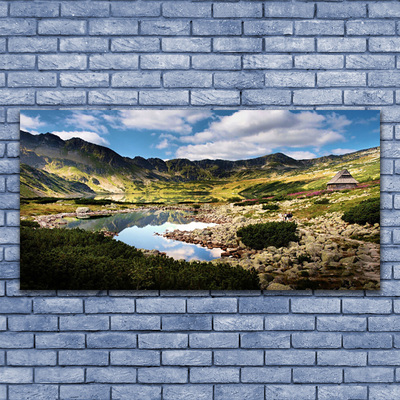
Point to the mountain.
(51, 166)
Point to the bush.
(322, 201)
(303, 257)
(270, 207)
(75, 259)
(260, 236)
(196, 206)
(280, 197)
(366, 211)
(30, 224)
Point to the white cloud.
(91, 122)
(250, 133)
(301, 155)
(339, 152)
(179, 121)
(163, 144)
(29, 123)
(337, 122)
(88, 136)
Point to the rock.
(349, 260)
(278, 286)
(82, 210)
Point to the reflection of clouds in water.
(216, 252)
(186, 253)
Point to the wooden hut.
(342, 180)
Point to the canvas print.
(200, 199)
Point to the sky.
(213, 134)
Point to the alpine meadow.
(200, 199)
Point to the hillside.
(51, 166)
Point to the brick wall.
(199, 345)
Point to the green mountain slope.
(52, 166)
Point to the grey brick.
(61, 340)
(193, 45)
(239, 392)
(32, 44)
(176, 97)
(34, 9)
(344, 392)
(187, 323)
(64, 97)
(367, 341)
(93, 391)
(288, 10)
(84, 79)
(110, 96)
(289, 392)
(16, 340)
(165, 27)
(386, 323)
(317, 375)
(186, 357)
(84, 323)
(341, 45)
(162, 375)
(368, 374)
(214, 375)
(216, 27)
(273, 97)
(111, 340)
(289, 44)
(269, 27)
(264, 305)
(32, 79)
(135, 357)
(321, 340)
(61, 27)
(109, 306)
(17, 61)
(384, 357)
(84, 44)
(342, 78)
(125, 9)
(163, 340)
(264, 340)
(262, 374)
(368, 97)
(289, 323)
(343, 11)
(17, 26)
(215, 62)
(370, 61)
(342, 358)
(135, 322)
(83, 357)
(323, 28)
(289, 79)
(186, 79)
(341, 323)
(59, 375)
(113, 61)
(241, 323)
(111, 375)
(214, 340)
(365, 27)
(32, 391)
(61, 61)
(319, 61)
(237, 45)
(238, 357)
(164, 61)
(31, 357)
(32, 323)
(290, 357)
(387, 44)
(16, 375)
(85, 9)
(179, 392)
(238, 10)
(135, 44)
(136, 392)
(181, 9)
(382, 10)
(325, 306)
(367, 306)
(113, 27)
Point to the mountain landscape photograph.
(200, 199)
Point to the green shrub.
(76, 259)
(270, 207)
(304, 257)
(322, 201)
(260, 236)
(30, 224)
(366, 211)
(280, 197)
(196, 206)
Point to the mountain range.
(51, 166)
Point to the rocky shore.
(326, 257)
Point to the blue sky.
(213, 134)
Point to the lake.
(139, 228)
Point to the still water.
(138, 229)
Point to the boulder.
(82, 210)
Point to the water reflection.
(138, 229)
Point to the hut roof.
(343, 176)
